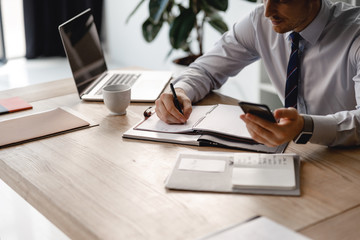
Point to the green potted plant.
(186, 19)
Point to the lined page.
(154, 124)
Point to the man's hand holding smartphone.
(260, 110)
(268, 128)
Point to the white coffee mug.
(117, 98)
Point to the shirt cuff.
(325, 128)
(187, 88)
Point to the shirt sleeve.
(235, 50)
(341, 128)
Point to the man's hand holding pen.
(175, 99)
(167, 111)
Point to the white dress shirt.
(329, 81)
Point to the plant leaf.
(206, 7)
(133, 11)
(181, 28)
(218, 24)
(221, 5)
(150, 30)
(156, 9)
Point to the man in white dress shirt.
(328, 99)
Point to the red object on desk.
(13, 104)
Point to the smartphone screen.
(260, 110)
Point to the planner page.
(225, 119)
(267, 171)
(154, 124)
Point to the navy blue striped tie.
(291, 90)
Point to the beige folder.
(39, 125)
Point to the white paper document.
(260, 228)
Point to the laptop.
(85, 55)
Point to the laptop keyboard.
(128, 79)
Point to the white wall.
(126, 46)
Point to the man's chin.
(280, 29)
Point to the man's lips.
(275, 22)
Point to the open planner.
(216, 125)
(252, 173)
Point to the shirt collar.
(313, 31)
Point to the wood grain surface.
(93, 184)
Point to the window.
(13, 28)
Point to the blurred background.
(28, 55)
(123, 43)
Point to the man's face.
(291, 15)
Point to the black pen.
(176, 101)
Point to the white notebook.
(209, 125)
(218, 119)
(253, 173)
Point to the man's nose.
(269, 8)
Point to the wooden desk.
(93, 184)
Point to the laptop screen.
(83, 49)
